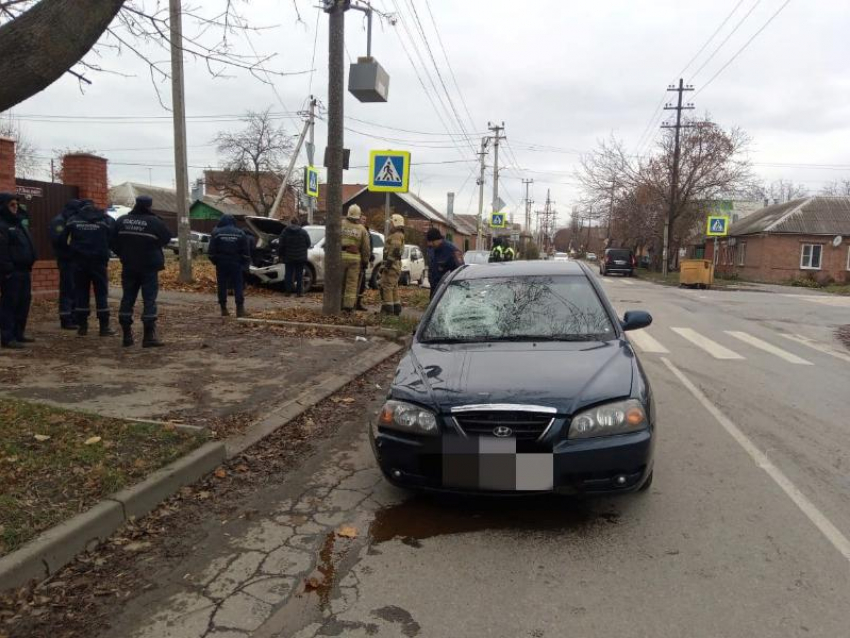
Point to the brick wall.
(7, 165)
(89, 174)
(776, 258)
(45, 278)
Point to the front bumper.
(449, 463)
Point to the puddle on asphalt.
(423, 517)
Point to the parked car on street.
(618, 260)
(561, 257)
(267, 270)
(413, 268)
(476, 257)
(590, 256)
(520, 378)
(199, 243)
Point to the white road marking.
(646, 342)
(826, 527)
(824, 300)
(816, 345)
(628, 282)
(711, 347)
(769, 347)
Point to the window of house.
(810, 256)
(742, 253)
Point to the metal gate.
(44, 201)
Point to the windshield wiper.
(576, 337)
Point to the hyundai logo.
(502, 431)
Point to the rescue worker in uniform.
(497, 254)
(230, 252)
(138, 239)
(17, 256)
(443, 258)
(64, 260)
(87, 236)
(356, 250)
(361, 289)
(508, 252)
(393, 250)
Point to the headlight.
(406, 417)
(610, 419)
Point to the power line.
(726, 39)
(743, 48)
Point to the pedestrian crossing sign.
(389, 171)
(498, 220)
(311, 181)
(718, 226)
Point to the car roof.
(522, 269)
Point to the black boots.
(224, 312)
(83, 328)
(240, 310)
(387, 309)
(105, 330)
(397, 310)
(150, 339)
(68, 324)
(127, 339)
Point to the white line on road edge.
(768, 347)
(628, 282)
(832, 533)
(711, 347)
(814, 345)
(646, 342)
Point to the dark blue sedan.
(520, 379)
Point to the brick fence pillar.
(7, 165)
(88, 173)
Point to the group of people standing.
(501, 251)
(83, 238)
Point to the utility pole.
(292, 160)
(332, 301)
(181, 161)
(674, 180)
(311, 156)
(482, 155)
(611, 212)
(497, 130)
(528, 203)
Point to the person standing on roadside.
(356, 250)
(65, 263)
(292, 251)
(443, 258)
(361, 289)
(138, 239)
(87, 236)
(393, 251)
(230, 252)
(17, 256)
(497, 254)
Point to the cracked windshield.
(378, 317)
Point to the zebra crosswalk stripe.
(768, 347)
(711, 347)
(647, 343)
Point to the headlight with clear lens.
(620, 417)
(406, 417)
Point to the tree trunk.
(37, 48)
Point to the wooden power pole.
(181, 161)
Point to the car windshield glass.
(377, 242)
(559, 308)
(619, 254)
(476, 257)
(405, 254)
(316, 235)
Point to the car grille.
(525, 426)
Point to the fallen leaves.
(221, 473)
(41, 438)
(347, 531)
(93, 440)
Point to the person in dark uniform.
(67, 298)
(17, 256)
(230, 252)
(87, 236)
(443, 258)
(293, 249)
(138, 239)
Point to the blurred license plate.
(619, 262)
(494, 464)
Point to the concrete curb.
(331, 383)
(52, 550)
(58, 546)
(363, 331)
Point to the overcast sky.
(561, 74)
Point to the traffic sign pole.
(387, 216)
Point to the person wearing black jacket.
(138, 239)
(230, 251)
(67, 298)
(292, 252)
(87, 236)
(17, 256)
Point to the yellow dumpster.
(696, 272)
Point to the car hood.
(565, 376)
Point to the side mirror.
(635, 320)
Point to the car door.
(417, 264)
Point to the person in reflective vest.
(508, 253)
(356, 250)
(497, 254)
(393, 251)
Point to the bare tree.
(254, 160)
(41, 40)
(27, 163)
(780, 191)
(837, 188)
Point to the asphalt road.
(743, 533)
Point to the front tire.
(309, 278)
